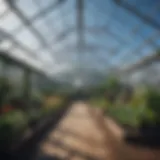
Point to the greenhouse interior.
(79, 79)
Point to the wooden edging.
(30, 135)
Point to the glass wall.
(35, 88)
(15, 76)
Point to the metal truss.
(120, 35)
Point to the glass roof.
(47, 34)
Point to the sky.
(113, 36)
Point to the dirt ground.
(84, 134)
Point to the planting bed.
(32, 133)
(137, 129)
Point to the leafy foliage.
(125, 115)
(11, 125)
(142, 104)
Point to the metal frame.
(81, 30)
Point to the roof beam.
(9, 36)
(28, 23)
(80, 24)
(139, 14)
(145, 61)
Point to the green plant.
(126, 115)
(138, 98)
(34, 115)
(149, 100)
(153, 103)
(100, 103)
(12, 125)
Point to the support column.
(80, 25)
(27, 85)
(80, 34)
(4, 69)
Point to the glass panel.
(31, 10)
(3, 7)
(10, 22)
(26, 38)
(6, 44)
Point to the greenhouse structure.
(79, 79)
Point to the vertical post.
(80, 32)
(80, 24)
(27, 85)
(1, 68)
(4, 69)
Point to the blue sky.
(108, 34)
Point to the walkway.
(84, 135)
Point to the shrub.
(149, 100)
(138, 98)
(12, 125)
(153, 103)
(100, 102)
(125, 115)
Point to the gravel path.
(83, 134)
